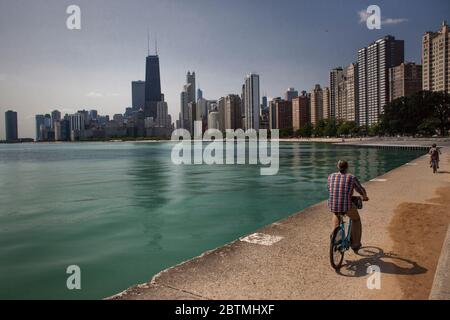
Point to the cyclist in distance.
(434, 156)
(340, 188)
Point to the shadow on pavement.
(388, 263)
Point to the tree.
(306, 131)
(286, 132)
(374, 130)
(441, 102)
(346, 128)
(330, 128)
(405, 115)
(319, 128)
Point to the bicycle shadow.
(389, 263)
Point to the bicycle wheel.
(336, 249)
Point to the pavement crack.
(185, 291)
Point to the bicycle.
(434, 165)
(340, 242)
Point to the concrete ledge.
(441, 283)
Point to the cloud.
(94, 94)
(2, 76)
(363, 15)
(393, 21)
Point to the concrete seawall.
(404, 226)
(441, 283)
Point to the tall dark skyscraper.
(138, 95)
(11, 125)
(40, 122)
(152, 86)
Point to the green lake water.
(123, 212)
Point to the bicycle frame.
(346, 239)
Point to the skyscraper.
(374, 62)
(56, 117)
(152, 86)
(190, 81)
(273, 121)
(348, 100)
(300, 111)
(264, 103)
(316, 96)
(162, 119)
(251, 101)
(221, 111)
(40, 122)
(404, 80)
(213, 120)
(436, 60)
(290, 94)
(138, 95)
(202, 109)
(326, 103)
(199, 94)
(233, 112)
(336, 77)
(188, 106)
(11, 126)
(77, 124)
(281, 114)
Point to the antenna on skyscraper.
(148, 42)
(156, 44)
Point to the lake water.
(123, 212)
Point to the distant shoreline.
(363, 140)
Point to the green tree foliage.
(347, 128)
(423, 112)
(305, 131)
(286, 133)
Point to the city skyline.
(277, 58)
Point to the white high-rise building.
(213, 120)
(344, 92)
(251, 101)
(374, 62)
(162, 118)
(188, 103)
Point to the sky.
(289, 43)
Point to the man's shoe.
(356, 249)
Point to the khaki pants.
(356, 232)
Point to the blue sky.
(44, 66)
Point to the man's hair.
(434, 145)
(342, 166)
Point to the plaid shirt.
(340, 189)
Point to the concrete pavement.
(404, 226)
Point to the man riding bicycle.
(434, 156)
(340, 188)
